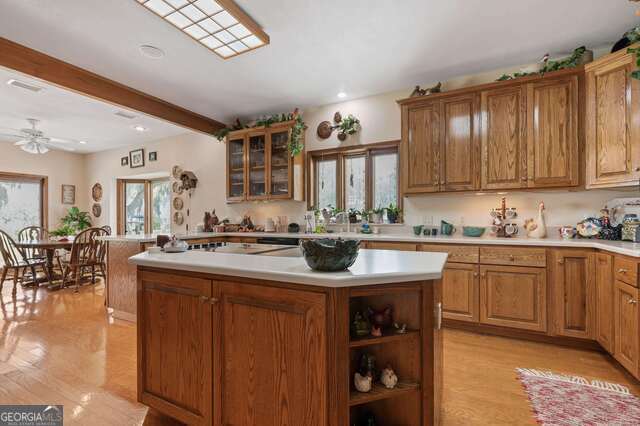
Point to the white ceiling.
(318, 48)
(68, 115)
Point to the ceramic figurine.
(360, 325)
(206, 221)
(536, 229)
(388, 377)
(368, 366)
(400, 328)
(246, 223)
(382, 318)
(376, 331)
(362, 383)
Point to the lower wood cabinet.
(627, 327)
(513, 296)
(377, 245)
(604, 301)
(178, 381)
(574, 293)
(460, 297)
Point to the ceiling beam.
(36, 64)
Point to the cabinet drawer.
(626, 270)
(457, 254)
(515, 256)
(379, 245)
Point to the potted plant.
(375, 215)
(63, 232)
(393, 213)
(353, 215)
(76, 219)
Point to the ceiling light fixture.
(23, 85)
(219, 25)
(151, 52)
(82, 142)
(140, 128)
(342, 95)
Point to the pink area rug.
(569, 400)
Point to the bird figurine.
(363, 383)
(536, 229)
(388, 377)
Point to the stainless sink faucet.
(344, 216)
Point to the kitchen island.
(228, 338)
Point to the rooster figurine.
(536, 229)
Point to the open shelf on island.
(357, 342)
(379, 392)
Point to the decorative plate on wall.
(178, 218)
(96, 192)
(176, 172)
(96, 209)
(178, 203)
(177, 187)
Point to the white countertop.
(371, 267)
(620, 247)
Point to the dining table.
(48, 247)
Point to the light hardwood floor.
(62, 348)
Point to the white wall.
(60, 167)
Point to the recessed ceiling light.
(140, 128)
(151, 52)
(207, 22)
(23, 85)
(82, 142)
(342, 95)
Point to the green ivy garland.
(295, 145)
(634, 37)
(570, 62)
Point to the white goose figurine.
(536, 229)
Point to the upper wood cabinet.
(522, 133)
(259, 166)
(503, 133)
(612, 122)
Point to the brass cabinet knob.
(475, 274)
(214, 300)
(632, 301)
(524, 178)
(622, 271)
(511, 257)
(203, 299)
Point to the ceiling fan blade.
(22, 142)
(11, 135)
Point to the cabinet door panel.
(178, 381)
(626, 316)
(574, 299)
(460, 292)
(279, 162)
(552, 142)
(274, 356)
(421, 149)
(613, 149)
(236, 169)
(460, 159)
(604, 301)
(513, 296)
(503, 142)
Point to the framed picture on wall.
(68, 194)
(153, 156)
(136, 158)
(124, 161)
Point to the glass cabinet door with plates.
(257, 170)
(280, 167)
(235, 172)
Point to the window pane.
(385, 179)
(326, 184)
(134, 208)
(19, 205)
(161, 206)
(354, 183)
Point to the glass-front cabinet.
(259, 166)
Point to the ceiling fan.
(34, 141)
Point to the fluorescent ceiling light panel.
(219, 25)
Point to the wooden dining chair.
(35, 233)
(102, 254)
(85, 254)
(16, 261)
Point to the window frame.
(339, 154)
(44, 191)
(148, 210)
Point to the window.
(23, 202)
(144, 206)
(361, 178)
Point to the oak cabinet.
(460, 297)
(177, 381)
(613, 122)
(574, 301)
(259, 166)
(513, 296)
(421, 150)
(604, 296)
(503, 138)
(378, 245)
(274, 356)
(627, 327)
(553, 156)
